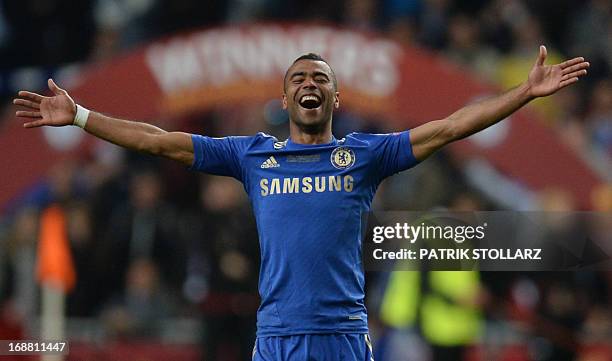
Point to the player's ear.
(337, 100)
(285, 101)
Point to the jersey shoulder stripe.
(261, 142)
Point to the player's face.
(310, 95)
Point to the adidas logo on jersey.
(270, 163)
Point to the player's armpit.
(173, 145)
(431, 136)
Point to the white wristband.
(80, 119)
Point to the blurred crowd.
(151, 240)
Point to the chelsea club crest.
(342, 158)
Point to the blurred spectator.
(403, 30)
(360, 14)
(231, 247)
(143, 227)
(590, 30)
(22, 303)
(121, 24)
(396, 10)
(245, 10)
(598, 324)
(47, 32)
(145, 303)
(83, 300)
(177, 15)
(599, 118)
(465, 48)
(434, 22)
(313, 10)
(561, 307)
(495, 19)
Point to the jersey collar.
(291, 145)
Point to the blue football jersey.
(309, 202)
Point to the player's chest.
(332, 172)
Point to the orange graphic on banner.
(55, 264)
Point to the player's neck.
(310, 136)
(306, 138)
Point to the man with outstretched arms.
(308, 193)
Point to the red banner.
(234, 65)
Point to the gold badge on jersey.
(343, 158)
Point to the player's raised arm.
(60, 110)
(543, 80)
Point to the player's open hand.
(547, 79)
(56, 110)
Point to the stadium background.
(166, 261)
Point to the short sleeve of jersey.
(219, 156)
(393, 152)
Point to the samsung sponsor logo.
(293, 185)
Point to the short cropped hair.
(315, 57)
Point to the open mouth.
(310, 101)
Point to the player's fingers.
(567, 82)
(542, 55)
(54, 88)
(32, 96)
(571, 62)
(574, 74)
(576, 67)
(26, 103)
(34, 124)
(28, 114)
